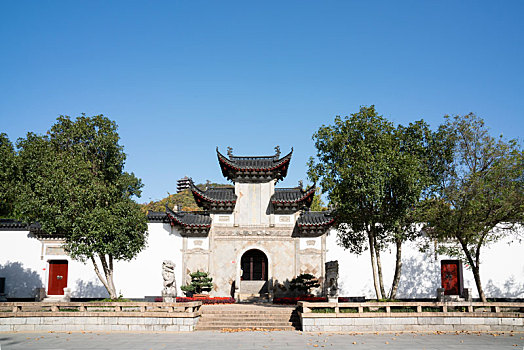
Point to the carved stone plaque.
(54, 250)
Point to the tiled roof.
(315, 218)
(156, 216)
(12, 225)
(189, 219)
(291, 195)
(249, 168)
(215, 194)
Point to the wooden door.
(451, 277)
(57, 277)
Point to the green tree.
(200, 281)
(318, 204)
(184, 199)
(7, 176)
(72, 182)
(303, 283)
(482, 195)
(375, 175)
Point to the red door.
(451, 276)
(57, 277)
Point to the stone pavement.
(258, 340)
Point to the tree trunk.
(108, 280)
(476, 275)
(373, 264)
(475, 268)
(379, 270)
(398, 269)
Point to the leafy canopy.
(375, 174)
(72, 182)
(7, 176)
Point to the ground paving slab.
(258, 340)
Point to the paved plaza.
(258, 340)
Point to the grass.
(348, 310)
(323, 310)
(404, 309)
(431, 309)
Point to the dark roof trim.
(300, 195)
(315, 219)
(188, 219)
(254, 169)
(208, 194)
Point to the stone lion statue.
(168, 274)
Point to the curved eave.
(226, 164)
(323, 224)
(201, 195)
(306, 197)
(175, 219)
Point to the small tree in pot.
(200, 281)
(303, 283)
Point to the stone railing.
(99, 316)
(412, 316)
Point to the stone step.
(248, 317)
(246, 312)
(246, 324)
(220, 328)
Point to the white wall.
(143, 275)
(24, 263)
(501, 270)
(20, 263)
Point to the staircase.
(248, 316)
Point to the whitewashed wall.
(502, 270)
(25, 265)
(143, 275)
(20, 263)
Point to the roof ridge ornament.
(230, 152)
(277, 152)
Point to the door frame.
(49, 279)
(239, 269)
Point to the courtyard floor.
(258, 340)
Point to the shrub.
(200, 281)
(303, 283)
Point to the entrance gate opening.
(254, 266)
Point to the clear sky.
(182, 77)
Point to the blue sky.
(182, 77)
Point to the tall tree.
(7, 176)
(72, 182)
(482, 195)
(375, 175)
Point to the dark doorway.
(254, 266)
(57, 277)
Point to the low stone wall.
(105, 324)
(168, 317)
(368, 317)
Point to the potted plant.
(200, 282)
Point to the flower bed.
(207, 300)
(204, 300)
(294, 300)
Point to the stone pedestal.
(440, 294)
